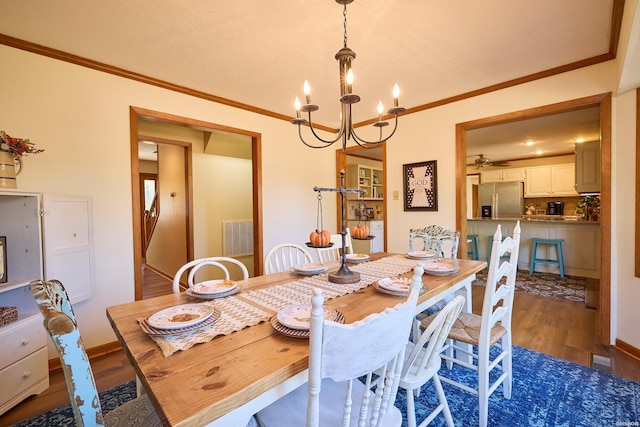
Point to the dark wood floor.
(562, 329)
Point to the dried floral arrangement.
(18, 147)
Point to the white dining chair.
(284, 256)
(492, 328)
(436, 238)
(440, 240)
(221, 263)
(338, 356)
(60, 323)
(422, 363)
(334, 253)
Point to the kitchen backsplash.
(570, 203)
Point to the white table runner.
(237, 313)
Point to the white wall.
(81, 118)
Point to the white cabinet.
(48, 237)
(503, 175)
(588, 167)
(369, 246)
(550, 181)
(24, 367)
(366, 178)
(563, 180)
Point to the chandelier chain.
(344, 13)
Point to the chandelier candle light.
(347, 98)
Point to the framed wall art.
(3, 259)
(420, 186)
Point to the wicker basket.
(8, 315)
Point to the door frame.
(603, 101)
(137, 113)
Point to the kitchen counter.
(581, 242)
(540, 218)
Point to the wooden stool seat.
(534, 254)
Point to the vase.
(7, 170)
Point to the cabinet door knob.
(25, 341)
(26, 374)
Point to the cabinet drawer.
(21, 375)
(21, 338)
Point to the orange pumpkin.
(320, 238)
(360, 231)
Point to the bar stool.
(472, 246)
(534, 256)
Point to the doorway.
(149, 205)
(139, 114)
(377, 154)
(603, 102)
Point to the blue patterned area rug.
(546, 392)
(63, 416)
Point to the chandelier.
(347, 98)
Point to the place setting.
(309, 269)
(421, 254)
(357, 258)
(295, 320)
(179, 319)
(439, 267)
(399, 286)
(213, 289)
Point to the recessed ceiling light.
(529, 143)
(539, 152)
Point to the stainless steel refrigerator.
(501, 200)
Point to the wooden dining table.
(225, 381)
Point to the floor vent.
(600, 362)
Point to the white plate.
(395, 284)
(309, 268)
(212, 287)
(298, 316)
(357, 257)
(180, 316)
(421, 254)
(437, 267)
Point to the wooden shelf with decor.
(366, 178)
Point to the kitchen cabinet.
(366, 178)
(587, 157)
(503, 175)
(550, 181)
(369, 246)
(40, 231)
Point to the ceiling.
(257, 53)
(546, 136)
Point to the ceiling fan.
(483, 161)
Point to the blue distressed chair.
(60, 322)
